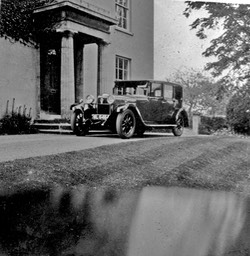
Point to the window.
(122, 68)
(156, 90)
(122, 13)
(168, 91)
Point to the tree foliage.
(17, 20)
(232, 47)
(238, 111)
(201, 92)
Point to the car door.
(155, 108)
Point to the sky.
(176, 46)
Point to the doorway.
(50, 76)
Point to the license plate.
(99, 117)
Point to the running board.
(161, 125)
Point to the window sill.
(124, 31)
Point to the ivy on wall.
(17, 20)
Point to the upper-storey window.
(122, 13)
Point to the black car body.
(134, 107)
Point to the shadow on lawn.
(105, 222)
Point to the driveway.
(23, 146)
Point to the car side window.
(117, 91)
(167, 92)
(156, 90)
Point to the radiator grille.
(103, 109)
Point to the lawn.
(37, 220)
(209, 162)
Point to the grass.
(216, 163)
(30, 225)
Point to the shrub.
(238, 112)
(15, 124)
(208, 125)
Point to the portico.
(62, 53)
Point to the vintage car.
(133, 108)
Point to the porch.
(77, 25)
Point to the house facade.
(95, 43)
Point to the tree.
(201, 92)
(232, 47)
(238, 112)
(17, 20)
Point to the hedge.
(208, 125)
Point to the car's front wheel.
(125, 124)
(179, 128)
(77, 124)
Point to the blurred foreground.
(157, 221)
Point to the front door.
(50, 77)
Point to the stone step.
(52, 126)
(44, 126)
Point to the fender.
(76, 106)
(183, 112)
(135, 110)
(122, 108)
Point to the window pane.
(125, 75)
(126, 64)
(120, 76)
(168, 92)
(124, 13)
(124, 23)
(120, 63)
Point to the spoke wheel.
(178, 130)
(125, 124)
(77, 125)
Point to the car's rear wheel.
(179, 128)
(77, 124)
(125, 124)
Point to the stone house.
(96, 42)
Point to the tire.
(77, 124)
(125, 124)
(178, 130)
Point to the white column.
(67, 73)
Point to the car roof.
(142, 82)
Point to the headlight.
(90, 99)
(110, 99)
